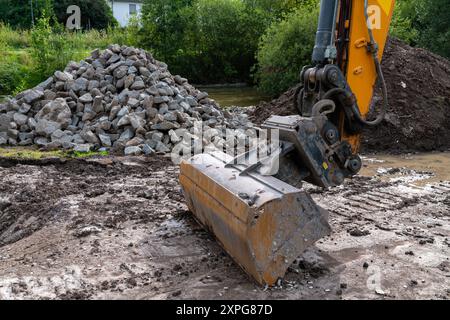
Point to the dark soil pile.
(418, 117)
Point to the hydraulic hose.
(374, 50)
(319, 107)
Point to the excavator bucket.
(263, 223)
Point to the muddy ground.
(119, 228)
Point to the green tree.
(285, 48)
(425, 23)
(23, 13)
(206, 40)
(433, 23)
(166, 25)
(94, 14)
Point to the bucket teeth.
(263, 223)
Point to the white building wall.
(121, 11)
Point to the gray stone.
(151, 113)
(24, 108)
(170, 116)
(46, 84)
(114, 58)
(163, 109)
(134, 142)
(89, 137)
(128, 81)
(105, 140)
(31, 123)
(61, 137)
(138, 85)
(114, 111)
(133, 151)
(46, 127)
(161, 99)
(5, 122)
(41, 141)
(32, 95)
(165, 125)
(186, 106)
(88, 114)
(148, 102)
(20, 119)
(192, 102)
(120, 72)
(3, 140)
(148, 151)
(133, 103)
(86, 98)
(124, 121)
(126, 135)
(157, 136)
(122, 112)
(84, 148)
(93, 84)
(79, 84)
(144, 71)
(132, 70)
(114, 66)
(174, 138)
(135, 121)
(161, 147)
(174, 106)
(202, 95)
(97, 106)
(63, 76)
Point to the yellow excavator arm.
(266, 220)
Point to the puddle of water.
(235, 96)
(424, 168)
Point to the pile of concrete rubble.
(120, 100)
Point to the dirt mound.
(418, 117)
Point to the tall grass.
(28, 57)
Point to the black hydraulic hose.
(333, 92)
(374, 48)
(320, 105)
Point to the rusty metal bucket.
(263, 223)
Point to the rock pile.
(120, 99)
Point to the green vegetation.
(95, 14)
(285, 48)
(208, 41)
(17, 13)
(424, 23)
(24, 153)
(30, 56)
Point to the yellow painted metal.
(264, 232)
(361, 72)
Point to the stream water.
(235, 96)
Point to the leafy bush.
(18, 13)
(285, 48)
(209, 41)
(12, 75)
(50, 50)
(402, 23)
(94, 14)
(425, 23)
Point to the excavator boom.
(262, 216)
